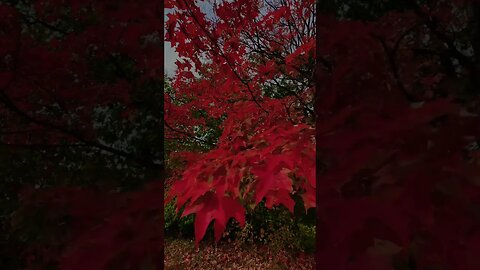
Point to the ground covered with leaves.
(182, 254)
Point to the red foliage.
(262, 137)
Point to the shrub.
(175, 226)
(307, 237)
(275, 227)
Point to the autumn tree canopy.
(249, 65)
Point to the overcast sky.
(170, 55)
(170, 58)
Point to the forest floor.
(182, 255)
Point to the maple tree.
(257, 88)
(397, 135)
